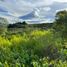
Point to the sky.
(31, 10)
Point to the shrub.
(32, 49)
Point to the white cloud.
(42, 11)
(61, 10)
(23, 7)
(17, 8)
(46, 8)
(60, 0)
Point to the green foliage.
(38, 48)
(3, 26)
(60, 23)
(35, 48)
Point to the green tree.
(61, 21)
(60, 24)
(24, 23)
(3, 25)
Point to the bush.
(38, 48)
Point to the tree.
(3, 25)
(24, 23)
(61, 21)
(60, 24)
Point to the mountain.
(28, 16)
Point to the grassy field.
(37, 48)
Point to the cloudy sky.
(31, 10)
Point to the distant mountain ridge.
(28, 16)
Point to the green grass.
(38, 48)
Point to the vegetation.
(3, 26)
(35, 48)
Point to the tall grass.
(38, 48)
